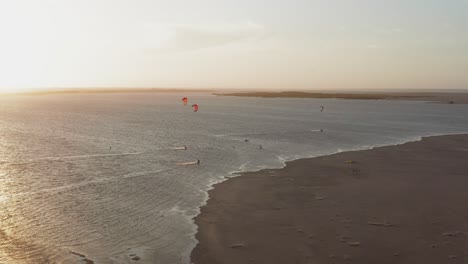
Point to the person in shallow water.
(198, 162)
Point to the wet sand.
(396, 204)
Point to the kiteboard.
(187, 163)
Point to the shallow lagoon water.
(98, 174)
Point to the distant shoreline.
(110, 90)
(441, 97)
(433, 96)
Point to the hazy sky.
(294, 44)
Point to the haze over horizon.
(302, 44)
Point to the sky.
(235, 44)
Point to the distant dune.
(293, 94)
(442, 97)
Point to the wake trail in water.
(86, 156)
(90, 156)
(269, 133)
(85, 183)
(59, 158)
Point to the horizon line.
(77, 90)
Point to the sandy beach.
(395, 204)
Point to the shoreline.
(443, 97)
(74, 91)
(434, 97)
(211, 231)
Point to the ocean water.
(101, 175)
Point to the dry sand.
(396, 204)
